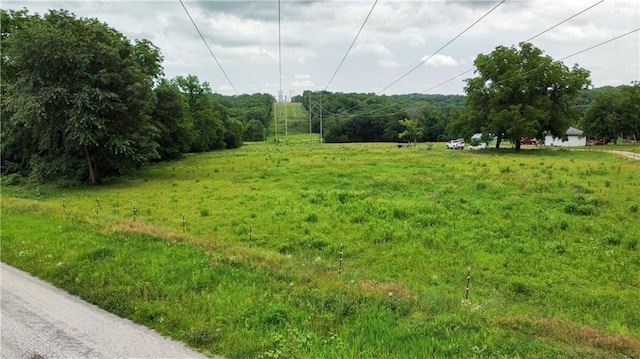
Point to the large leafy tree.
(78, 96)
(207, 122)
(518, 92)
(176, 128)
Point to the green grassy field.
(551, 238)
(293, 124)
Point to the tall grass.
(552, 244)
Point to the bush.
(13, 179)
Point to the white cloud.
(440, 60)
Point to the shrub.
(13, 179)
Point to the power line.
(441, 48)
(373, 113)
(568, 56)
(531, 38)
(406, 74)
(207, 45)
(397, 44)
(350, 47)
(556, 61)
(562, 22)
(600, 44)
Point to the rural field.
(353, 250)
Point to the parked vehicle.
(528, 141)
(595, 142)
(479, 146)
(456, 144)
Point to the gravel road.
(40, 321)
(635, 156)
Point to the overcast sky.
(398, 36)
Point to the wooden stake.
(466, 295)
(340, 257)
(184, 224)
(250, 236)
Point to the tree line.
(358, 117)
(517, 92)
(80, 101)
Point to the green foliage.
(370, 118)
(254, 131)
(176, 128)
(71, 117)
(412, 131)
(80, 102)
(521, 93)
(614, 113)
(207, 122)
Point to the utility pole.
(275, 121)
(321, 137)
(310, 117)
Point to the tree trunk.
(518, 145)
(93, 176)
(498, 140)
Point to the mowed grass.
(551, 238)
(293, 124)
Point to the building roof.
(572, 131)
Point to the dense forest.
(361, 117)
(81, 102)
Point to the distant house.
(575, 137)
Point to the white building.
(575, 138)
